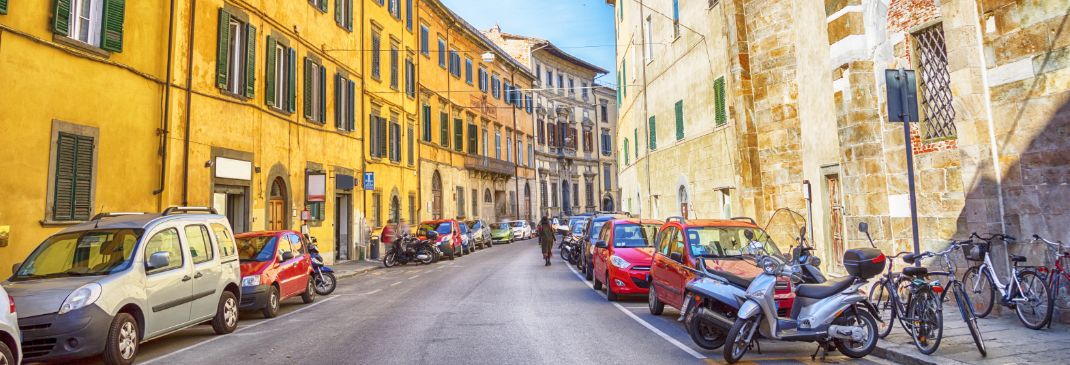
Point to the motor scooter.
(323, 275)
(835, 314)
(409, 249)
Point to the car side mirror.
(676, 256)
(287, 256)
(601, 244)
(15, 268)
(158, 260)
(863, 227)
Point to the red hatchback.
(274, 266)
(449, 236)
(622, 256)
(720, 243)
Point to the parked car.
(587, 237)
(560, 225)
(479, 233)
(720, 242)
(449, 235)
(275, 266)
(521, 230)
(501, 233)
(622, 256)
(466, 242)
(10, 339)
(105, 286)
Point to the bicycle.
(1026, 292)
(962, 300)
(921, 316)
(885, 296)
(1057, 278)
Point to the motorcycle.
(835, 314)
(323, 275)
(410, 249)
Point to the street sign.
(369, 181)
(902, 95)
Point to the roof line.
(482, 38)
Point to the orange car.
(622, 256)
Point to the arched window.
(395, 209)
(487, 198)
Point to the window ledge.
(279, 110)
(51, 223)
(229, 93)
(68, 41)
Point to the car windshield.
(96, 252)
(596, 226)
(577, 227)
(464, 229)
(726, 242)
(473, 225)
(517, 224)
(499, 226)
(257, 248)
(634, 235)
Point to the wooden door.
(277, 215)
(835, 214)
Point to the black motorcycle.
(408, 248)
(324, 276)
(570, 248)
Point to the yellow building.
(81, 117)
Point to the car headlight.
(253, 280)
(81, 297)
(619, 262)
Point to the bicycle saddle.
(909, 258)
(915, 271)
(1016, 258)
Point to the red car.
(449, 235)
(274, 266)
(622, 256)
(720, 242)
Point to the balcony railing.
(490, 165)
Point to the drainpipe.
(189, 97)
(364, 146)
(419, 116)
(516, 160)
(646, 102)
(163, 132)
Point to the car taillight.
(11, 304)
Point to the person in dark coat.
(546, 238)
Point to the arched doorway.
(436, 195)
(395, 209)
(527, 201)
(277, 205)
(682, 196)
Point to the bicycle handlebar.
(993, 236)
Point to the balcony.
(489, 165)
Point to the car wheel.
(226, 315)
(610, 295)
(656, 306)
(588, 273)
(309, 295)
(271, 308)
(123, 339)
(6, 357)
(597, 284)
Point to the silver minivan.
(105, 286)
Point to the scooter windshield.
(785, 228)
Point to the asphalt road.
(496, 306)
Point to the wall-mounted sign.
(369, 181)
(343, 182)
(316, 187)
(228, 168)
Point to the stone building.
(567, 156)
(779, 92)
(605, 110)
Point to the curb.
(355, 272)
(909, 355)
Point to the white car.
(521, 229)
(10, 341)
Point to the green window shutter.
(3, 6)
(472, 144)
(307, 101)
(292, 80)
(351, 121)
(250, 60)
(382, 137)
(73, 178)
(338, 15)
(323, 94)
(323, 6)
(653, 133)
(626, 160)
(111, 27)
(269, 73)
(61, 17)
(719, 101)
(624, 81)
(338, 92)
(444, 128)
(636, 143)
(222, 49)
(680, 120)
(458, 135)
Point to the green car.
(501, 233)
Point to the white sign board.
(899, 206)
(317, 187)
(233, 169)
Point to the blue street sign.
(369, 181)
(902, 96)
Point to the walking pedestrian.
(546, 238)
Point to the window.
(394, 65)
(236, 56)
(607, 177)
(377, 213)
(495, 86)
(344, 103)
(605, 112)
(315, 85)
(468, 70)
(458, 134)
(935, 83)
(473, 139)
(549, 78)
(485, 144)
(426, 124)
(553, 194)
(531, 152)
(528, 103)
(412, 208)
(588, 141)
(441, 53)
(497, 144)
(542, 193)
(376, 43)
(377, 134)
(425, 42)
(460, 202)
(584, 91)
(571, 87)
(538, 72)
(649, 44)
(444, 128)
(98, 23)
(319, 4)
(394, 7)
(395, 139)
(508, 145)
(483, 79)
(455, 63)
(679, 108)
(590, 193)
(507, 89)
(281, 79)
(560, 83)
(675, 18)
(720, 114)
(519, 150)
(408, 15)
(73, 180)
(200, 246)
(575, 194)
(296, 244)
(343, 13)
(409, 140)
(540, 131)
(165, 241)
(607, 143)
(410, 77)
(227, 247)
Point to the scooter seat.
(823, 290)
(1016, 258)
(733, 279)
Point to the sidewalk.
(354, 267)
(1007, 341)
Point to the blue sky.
(583, 28)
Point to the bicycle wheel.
(979, 288)
(1033, 304)
(881, 298)
(903, 290)
(1060, 291)
(924, 312)
(962, 301)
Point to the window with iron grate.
(938, 119)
